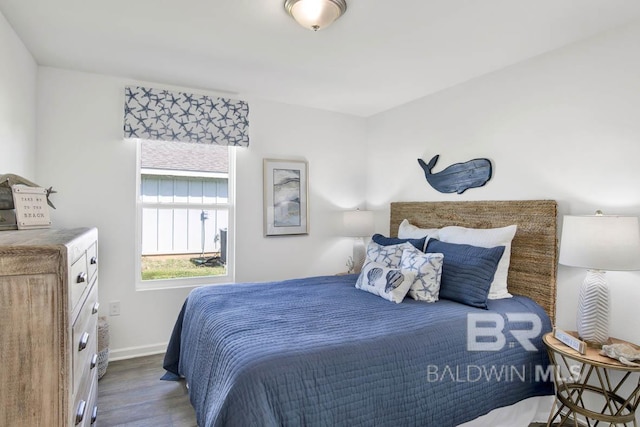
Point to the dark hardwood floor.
(131, 394)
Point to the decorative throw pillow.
(406, 230)
(388, 283)
(388, 241)
(467, 271)
(389, 256)
(487, 238)
(428, 270)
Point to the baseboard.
(131, 352)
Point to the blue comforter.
(319, 352)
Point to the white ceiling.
(380, 54)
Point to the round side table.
(579, 375)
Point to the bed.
(319, 352)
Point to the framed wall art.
(286, 206)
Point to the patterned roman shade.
(159, 114)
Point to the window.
(185, 214)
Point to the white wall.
(333, 144)
(82, 154)
(18, 71)
(563, 126)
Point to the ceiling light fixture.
(315, 14)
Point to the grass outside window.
(171, 267)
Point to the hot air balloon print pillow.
(389, 283)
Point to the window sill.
(189, 282)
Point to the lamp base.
(597, 345)
(358, 254)
(593, 309)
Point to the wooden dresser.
(48, 327)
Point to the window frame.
(186, 282)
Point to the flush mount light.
(315, 14)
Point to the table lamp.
(358, 224)
(599, 243)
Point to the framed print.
(286, 210)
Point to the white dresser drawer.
(92, 407)
(85, 335)
(85, 404)
(78, 280)
(92, 261)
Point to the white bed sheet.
(521, 414)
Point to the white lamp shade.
(358, 223)
(315, 14)
(600, 242)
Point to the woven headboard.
(532, 271)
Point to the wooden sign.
(31, 207)
(570, 340)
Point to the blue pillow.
(388, 241)
(467, 271)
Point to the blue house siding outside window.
(181, 215)
(185, 208)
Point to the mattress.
(319, 352)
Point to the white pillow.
(389, 256)
(428, 271)
(388, 283)
(486, 238)
(406, 230)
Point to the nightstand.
(584, 379)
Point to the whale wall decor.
(458, 177)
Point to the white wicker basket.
(103, 346)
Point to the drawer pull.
(94, 415)
(93, 260)
(82, 277)
(82, 406)
(94, 361)
(95, 308)
(84, 340)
